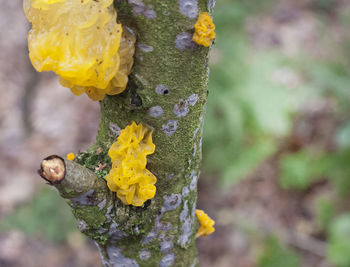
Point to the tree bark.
(167, 91)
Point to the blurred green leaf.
(339, 171)
(324, 4)
(46, 214)
(250, 158)
(234, 13)
(300, 169)
(276, 255)
(269, 102)
(325, 212)
(330, 78)
(343, 136)
(339, 245)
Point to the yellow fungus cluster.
(204, 30)
(129, 178)
(206, 222)
(82, 42)
(70, 156)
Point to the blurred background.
(276, 162)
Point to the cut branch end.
(53, 169)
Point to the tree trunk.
(167, 91)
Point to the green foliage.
(47, 215)
(249, 158)
(246, 109)
(230, 13)
(339, 245)
(324, 4)
(300, 169)
(249, 111)
(343, 136)
(325, 212)
(339, 172)
(276, 255)
(330, 79)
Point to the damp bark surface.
(167, 91)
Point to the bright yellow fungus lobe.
(44, 3)
(82, 42)
(204, 30)
(70, 156)
(206, 222)
(118, 83)
(129, 178)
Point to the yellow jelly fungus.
(206, 222)
(43, 3)
(129, 178)
(70, 156)
(82, 42)
(118, 83)
(204, 30)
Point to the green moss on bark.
(178, 155)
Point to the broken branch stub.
(70, 178)
(53, 169)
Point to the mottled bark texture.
(167, 91)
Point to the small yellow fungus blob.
(204, 30)
(82, 42)
(129, 178)
(206, 222)
(70, 156)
